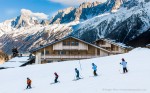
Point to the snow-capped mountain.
(124, 25)
(30, 30)
(121, 20)
(26, 19)
(85, 11)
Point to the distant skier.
(77, 74)
(94, 67)
(56, 77)
(29, 83)
(124, 64)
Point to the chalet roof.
(114, 43)
(35, 49)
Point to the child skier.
(124, 64)
(29, 83)
(94, 67)
(56, 77)
(77, 74)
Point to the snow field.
(109, 80)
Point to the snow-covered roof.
(33, 50)
(114, 43)
(148, 45)
(15, 62)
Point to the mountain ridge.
(121, 20)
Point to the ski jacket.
(29, 82)
(124, 64)
(94, 67)
(77, 72)
(56, 75)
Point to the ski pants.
(56, 79)
(125, 70)
(28, 86)
(77, 76)
(94, 72)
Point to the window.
(64, 43)
(47, 52)
(61, 52)
(68, 43)
(72, 43)
(77, 43)
(103, 42)
(42, 52)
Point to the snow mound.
(15, 62)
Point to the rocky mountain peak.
(85, 5)
(66, 11)
(96, 3)
(89, 4)
(27, 18)
(117, 5)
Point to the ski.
(94, 76)
(28, 88)
(54, 82)
(77, 79)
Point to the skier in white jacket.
(124, 64)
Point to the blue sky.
(11, 8)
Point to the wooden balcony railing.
(69, 56)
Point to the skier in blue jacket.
(94, 67)
(124, 64)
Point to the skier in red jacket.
(29, 83)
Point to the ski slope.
(110, 79)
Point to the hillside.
(109, 80)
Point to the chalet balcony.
(105, 46)
(117, 52)
(68, 56)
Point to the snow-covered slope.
(109, 80)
